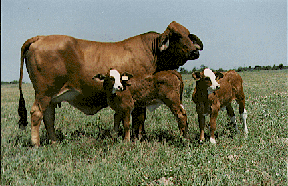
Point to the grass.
(88, 156)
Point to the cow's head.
(176, 45)
(114, 81)
(207, 79)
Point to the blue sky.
(234, 32)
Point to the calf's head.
(113, 81)
(207, 79)
(177, 45)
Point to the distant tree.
(4, 83)
(194, 69)
(281, 66)
(274, 67)
(267, 68)
(183, 70)
(202, 67)
(257, 67)
(220, 70)
(14, 82)
(240, 69)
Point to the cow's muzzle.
(194, 54)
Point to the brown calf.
(150, 90)
(211, 96)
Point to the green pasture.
(87, 154)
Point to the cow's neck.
(166, 63)
(162, 60)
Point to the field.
(86, 155)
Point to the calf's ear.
(196, 75)
(219, 75)
(99, 76)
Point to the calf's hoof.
(213, 141)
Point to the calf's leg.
(117, 120)
(201, 120)
(126, 125)
(179, 112)
(243, 114)
(138, 120)
(231, 115)
(213, 118)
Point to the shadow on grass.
(167, 136)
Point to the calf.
(210, 96)
(143, 91)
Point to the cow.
(210, 96)
(61, 69)
(125, 91)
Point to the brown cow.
(61, 69)
(143, 91)
(210, 96)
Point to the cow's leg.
(231, 115)
(37, 112)
(138, 119)
(201, 120)
(36, 117)
(49, 119)
(243, 114)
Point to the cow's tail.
(22, 109)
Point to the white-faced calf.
(210, 96)
(143, 91)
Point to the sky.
(234, 32)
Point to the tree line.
(182, 70)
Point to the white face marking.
(211, 75)
(117, 85)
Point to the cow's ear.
(164, 39)
(196, 75)
(219, 75)
(165, 45)
(99, 76)
(126, 76)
